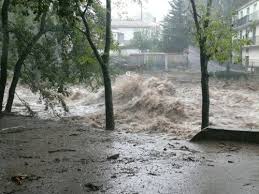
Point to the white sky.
(158, 8)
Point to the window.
(248, 11)
(241, 14)
(121, 38)
(255, 6)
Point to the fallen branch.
(61, 150)
(12, 130)
(27, 106)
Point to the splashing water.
(151, 103)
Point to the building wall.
(253, 7)
(128, 34)
(254, 56)
(250, 54)
(125, 52)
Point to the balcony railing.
(246, 19)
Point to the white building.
(124, 30)
(246, 22)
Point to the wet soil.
(43, 156)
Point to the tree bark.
(104, 63)
(205, 89)
(110, 125)
(5, 47)
(20, 61)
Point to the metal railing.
(250, 63)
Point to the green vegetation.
(54, 44)
(176, 30)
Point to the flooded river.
(162, 103)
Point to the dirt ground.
(41, 156)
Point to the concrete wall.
(161, 61)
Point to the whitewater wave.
(159, 104)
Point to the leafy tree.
(175, 35)
(77, 13)
(223, 40)
(22, 57)
(214, 35)
(146, 40)
(63, 55)
(202, 23)
(103, 60)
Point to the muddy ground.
(40, 156)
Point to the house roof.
(133, 24)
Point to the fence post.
(166, 62)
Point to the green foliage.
(222, 41)
(62, 56)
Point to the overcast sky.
(158, 8)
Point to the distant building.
(246, 22)
(124, 30)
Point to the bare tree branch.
(195, 17)
(89, 39)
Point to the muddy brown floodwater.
(41, 156)
(168, 103)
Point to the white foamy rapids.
(80, 103)
(146, 103)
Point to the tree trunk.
(104, 63)
(22, 58)
(204, 61)
(16, 76)
(205, 89)
(5, 47)
(110, 125)
(17, 71)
